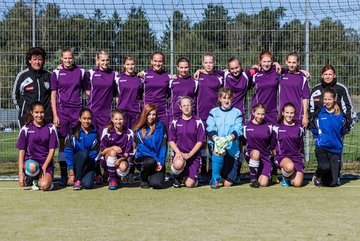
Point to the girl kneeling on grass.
(116, 145)
(288, 136)
(81, 148)
(224, 126)
(151, 143)
(258, 135)
(186, 137)
(330, 128)
(37, 143)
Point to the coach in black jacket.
(32, 84)
(328, 79)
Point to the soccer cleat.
(113, 185)
(275, 179)
(144, 185)
(285, 182)
(77, 185)
(63, 181)
(177, 182)
(317, 181)
(98, 180)
(215, 185)
(254, 183)
(35, 186)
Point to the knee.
(178, 163)
(124, 165)
(87, 184)
(190, 183)
(288, 166)
(227, 183)
(157, 184)
(255, 155)
(263, 181)
(112, 153)
(297, 183)
(45, 185)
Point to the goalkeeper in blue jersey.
(224, 126)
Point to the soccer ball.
(32, 168)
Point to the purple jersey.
(266, 91)
(37, 141)
(294, 88)
(289, 141)
(129, 89)
(186, 133)
(239, 85)
(209, 84)
(101, 85)
(124, 140)
(180, 87)
(68, 84)
(258, 137)
(156, 89)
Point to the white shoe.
(35, 186)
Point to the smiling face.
(183, 69)
(67, 59)
(235, 68)
(288, 114)
(208, 63)
(266, 63)
(328, 76)
(225, 101)
(329, 101)
(85, 120)
(118, 120)
(292, 63)
(259, 115)
(151, 117)
(36, 62)
(157, 62)
(129, 66)
(103, 61)
(38, 113)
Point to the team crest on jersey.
(47, 85)
(31, 131)
(175, 83)
(97, 75)
(62, 73)
(179, 124)
(29, 87)
(250, 129)
(282, 130)
(122, 80)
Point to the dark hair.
(35, 51)
(332, 91)
(183, 59)
(281, 117)
(233, 59)
(110, 126)
(76, 129)
(126, 58)
(28, 116)
(327, 67)
(157, 52)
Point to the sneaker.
(113, 185)
(254, 183)
(144, 185)
(275, 179)
(285, 182)
(98, 180)
(77, 185)
(215, 185)
(177, 182)
(63, 181)
(317, 181)
(35, 185)
(130, 178)
(28, 181)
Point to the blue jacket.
(330, 130)
(78, 140)
(154, 146)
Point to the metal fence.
(321, 31)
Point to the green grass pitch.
(130, 213)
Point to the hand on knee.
(178, 165)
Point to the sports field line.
(8, 139)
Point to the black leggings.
(328, 166)
(147, 167)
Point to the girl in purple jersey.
(209, 81)
(156, 87)
(258, 135)
(116, 146)
(288, 136)
(100, 88)
(186, 136)
(130, 92)
(37, 143)
(183, 85)
(66, 102)
(294, 88)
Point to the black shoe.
(28, 181)
(144, 185)
(317, 181)
(254, 184)
(177, 182)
